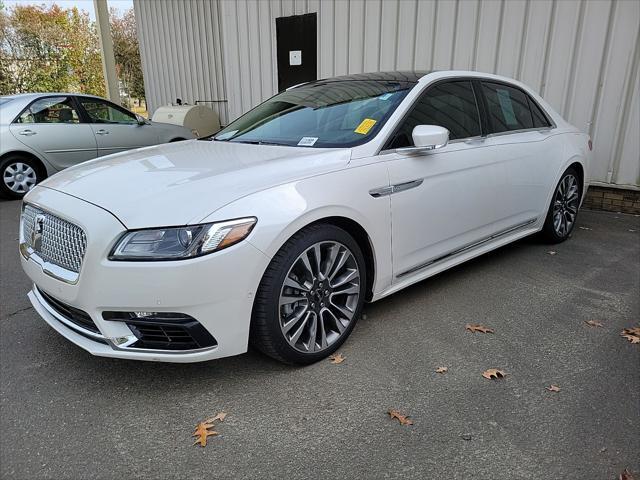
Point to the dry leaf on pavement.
(493, 373)
(551, 252)
(476, 327)
(202, 432)
(593, 323)
(403, 419)
(441, 370)
(626, 475)
(631, 334)
(553, 388)
(337, 358)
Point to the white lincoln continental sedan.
(277, 230)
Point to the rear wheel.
(310, 297)
(19, 175)
(563, 211)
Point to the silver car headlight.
(177, 243)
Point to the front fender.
(285, 209)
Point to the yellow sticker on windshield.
(365, 126)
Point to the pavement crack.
(19, 311)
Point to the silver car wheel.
(565, 205)
(19, 177)
(319, 296)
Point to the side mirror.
(427, 137)
(141, 120)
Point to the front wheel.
(19, 175)
(563, 211)
(310, 296)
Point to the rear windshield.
(323, 114)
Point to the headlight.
(176, 243)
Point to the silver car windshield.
(321, 114)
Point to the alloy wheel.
(19, 177)
(319, 296)
(565, 205)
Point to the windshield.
(322, 114)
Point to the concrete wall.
(582, 56)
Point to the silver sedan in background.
(43, 133)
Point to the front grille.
(56, 240)
(72, 314)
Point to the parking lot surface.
(66, 414)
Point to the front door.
(51, 126)
(296, 40)
(115, 128)
(448, 198)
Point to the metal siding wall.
(582, 56)
(181, 50)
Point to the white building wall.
(581, 56)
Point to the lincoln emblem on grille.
(36, 234)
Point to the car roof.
(411, 76)
(31, 96)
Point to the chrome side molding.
(398, 187)
(466, 248)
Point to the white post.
(106, 50)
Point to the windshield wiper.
(258, 142)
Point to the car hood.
(182, 183)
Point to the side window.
(50, 110)
(100, 111)
(451, 105)
(539, 119)
(508, 107)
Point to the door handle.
(27, 133)
(102, 131)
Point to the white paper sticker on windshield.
(307, 141)
(226, 135)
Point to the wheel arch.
(42, 168)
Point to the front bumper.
(217, 289)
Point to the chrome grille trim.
(59, 248)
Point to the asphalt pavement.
(66, 414)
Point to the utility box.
(201, 120)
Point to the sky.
(86, 5)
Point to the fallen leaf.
(221, 416)
(403, 419)
(584, 228)
(337, 358)
(493, 373)
(202, 432)
(631, 334)
(593, 323)
(551, 252)
(626, 475)
(553, 388)
(476, 327)
(632, 229)
(441, 370)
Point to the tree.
(49, 49)
(127, 52)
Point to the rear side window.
(539, 118)
(451, 105)
(508, 108)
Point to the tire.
(563, 210)
(312, 296)
(18, 175)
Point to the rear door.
(115, 128)
(53, 127)
(448, 198)
(523, 137)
